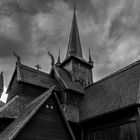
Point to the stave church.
(66, 104)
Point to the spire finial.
(58, 60)
(74, 7)
(52, 58)
(90, 58)
(17, 57)
(1, 83)
(1, 73)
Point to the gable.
(65, 78)
(1, 83)
(47, 123)
(29, 79)
(114, 92)
(13, 86)
(12, 131)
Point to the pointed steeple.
(1, 83)
(74, 45)
(90, 58)
(58, 60)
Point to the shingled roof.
(1, 80)
(32, 76)
(35, 77)
(13, 108)
(64, 76)
(1, 103)
(1, 83)
(15, 127)
(120, 89)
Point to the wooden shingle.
(114, 92)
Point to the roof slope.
(1, 83)
(14, 128)
(1, 80)
(64, 76)
(10, 132)
(13, 108)
(1, 103)
(32, 76)
(35, 77)
(116, 91)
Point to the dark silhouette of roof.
(114, 92)
(1, 83)
(35, 77)
(65, 78)
(32, 76)
(1, 103)
(15, 127)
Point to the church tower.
(78, 67)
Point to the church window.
(51, 107)
(47, 106)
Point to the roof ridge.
(7, 104)
(57, 70)
(116, 72)
(32, 69)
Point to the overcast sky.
(110, 28)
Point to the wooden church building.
(67, 105)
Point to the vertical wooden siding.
(121, 125)
(46, 124)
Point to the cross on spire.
(38, 67)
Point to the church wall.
(121, 125)
(25, 90)
(77, 130)
(46, 124)
(72, 106)
(81, 74)
(31, 91)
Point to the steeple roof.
(1, 81)
(74, 45)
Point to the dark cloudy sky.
(110, 28)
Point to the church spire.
(74, 45)
(90, 58)
(1, 84)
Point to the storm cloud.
(110, 28)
